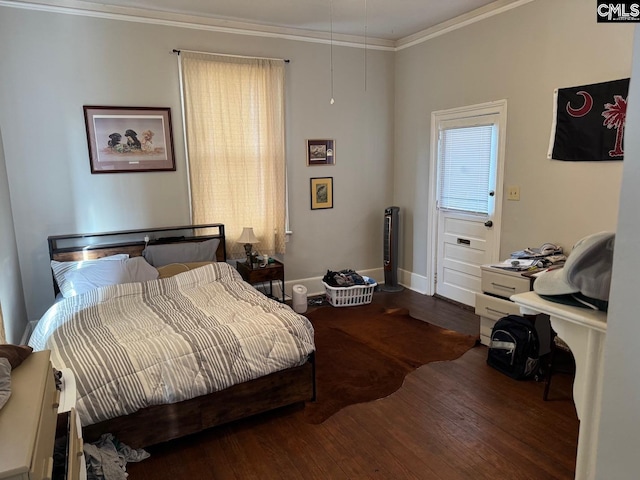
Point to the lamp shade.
(248, 236)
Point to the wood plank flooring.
(450, 420)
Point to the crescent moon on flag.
(582, 111)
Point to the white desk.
(584, 331)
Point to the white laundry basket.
(350, 296)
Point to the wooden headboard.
(87, 246)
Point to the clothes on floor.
(107, 458)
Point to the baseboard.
(28, 331)
(413, 281)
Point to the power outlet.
(513, 193)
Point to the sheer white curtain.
(234, 123)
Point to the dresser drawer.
(486, 328)
(494, 308)
(75, 457)
(491, 309)
(503, 284)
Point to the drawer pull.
(504, 287)
(56, 399)
(496, 311)
(464, 241)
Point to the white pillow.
(101, 274)
(61, 270)
(181, 252)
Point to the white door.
(468, 172)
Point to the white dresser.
(497, 286)
(28, 425)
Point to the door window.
(467, 152)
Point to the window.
(234, 131)
(466, 164)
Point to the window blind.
(465, 168)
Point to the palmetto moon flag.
(588, 122)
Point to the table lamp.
(248, 238)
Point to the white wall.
(520, 56)
(619, 434)
(53, 64)
(11, 296)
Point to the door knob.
(492, 193)
(488, 223)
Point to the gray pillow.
(184, 252)
(5, 381)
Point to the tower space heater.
(390, 253)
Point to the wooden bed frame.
(160, 423)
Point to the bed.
(168, 354)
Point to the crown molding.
(130, 14)
(138, 15)
(477, 15)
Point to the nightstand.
(269, 273)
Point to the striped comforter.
(167, 340)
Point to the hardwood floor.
(450, 420)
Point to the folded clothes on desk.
(545, 250)
(520, 265)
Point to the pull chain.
(331, 48)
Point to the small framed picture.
(321, 152)
(321, 193)
(129, 139)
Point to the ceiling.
(385, 20)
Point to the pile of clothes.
(343, 278)
(107, 458)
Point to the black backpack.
(514, 347)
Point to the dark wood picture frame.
(321, 193)
(129, 139)
(321, 152)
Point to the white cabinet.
(28, 424)
(493, 304)
(28, 421)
